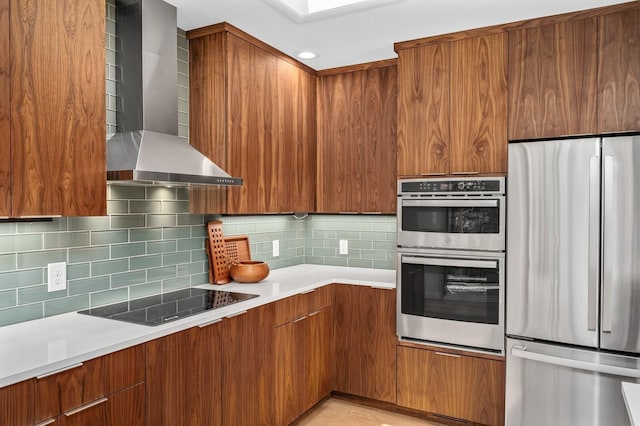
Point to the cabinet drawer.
(124, 368)
(302, 304)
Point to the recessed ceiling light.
(307, 10)
(306, 55)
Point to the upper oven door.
(464, 223)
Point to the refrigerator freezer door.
(558, 386)
(621, 244)
(553, 239)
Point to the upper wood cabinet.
(452, 107)
(252, 111)
(619, 72)
(552, 80)
(57, 111)
(357, 139)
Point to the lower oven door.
(454, 298)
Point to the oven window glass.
(451, 293)
(462, 220)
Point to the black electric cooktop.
(163, 308)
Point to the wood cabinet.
(452, 107)
(552, 79)
(364, 341)
(57, 131)
(252, 111)
(619, 71)
(452, 384)
(247, 367)
(16, 404)
(303, 353)
(357, 139)
(184, 378)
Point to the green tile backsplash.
(149, 243)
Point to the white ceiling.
(366, 35)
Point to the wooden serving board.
(237, 247)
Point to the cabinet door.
(451, 385)
(287, 396)
(16, 404)
(58, 137)
(93, 413)
(423, 110)
(364, 341)
(5, 107)
(478, 120)
(619, 72)
(340, 143)
(294, 151)
(183, 378)
(126, 408)
(68, 390)
(552, 80)
(317, 368)
(247, 368)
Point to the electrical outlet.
(57, 276)
(344, 246)
(276, 248)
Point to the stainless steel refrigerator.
(573, 280)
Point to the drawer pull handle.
(449, 355)
(237, 314)
(207, 324)
(433, 174)
(51, 373)
(315, 313)
(308, 291)
(464, 173)
(85, 407)
(46, 422)
(299, 319)
(379, 287)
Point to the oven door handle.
(435, 261)
(450, 203)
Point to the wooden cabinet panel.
(58, 130)
(423, 111)
(94, 413)
(127, 407)
(451, 385)
(5, 108)
(124, 368)
(287, 399)
(247, 368)
(293, 307)
(479, 105)
(356, 141)
(16, 404)
(552, 80)
(619, 72)
(317, 368)
(364, 341)
(183, 373)
(67, 390)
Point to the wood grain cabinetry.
(253, 113)
(357, 139)
(57, 131)
(552, 79)
(619, 72)
(452, 113)
(303, 353)
(183, 378)
(248, 368)
(364, 341)
(16, 404)
(451, 384)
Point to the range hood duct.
(147, 150)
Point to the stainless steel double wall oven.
(451, 242)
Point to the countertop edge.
(143, 334)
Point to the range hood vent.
(148, 150)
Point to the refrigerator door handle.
(608, 248)
(522, 352)
(594, 242)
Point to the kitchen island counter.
(41, 346)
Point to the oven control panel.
(441, 186)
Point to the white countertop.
(32, 348)
(631, 394)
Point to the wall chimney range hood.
(147, 149)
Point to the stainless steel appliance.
(451, 262)
(441, 213)
(573, 323)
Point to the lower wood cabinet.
(364, 340)
(452, 385)
(16, 404)
(184, 371)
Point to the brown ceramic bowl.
(249, 271)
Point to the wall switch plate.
(344, 246)
(57, 276)
(276, 248)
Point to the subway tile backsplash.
(149, 243)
